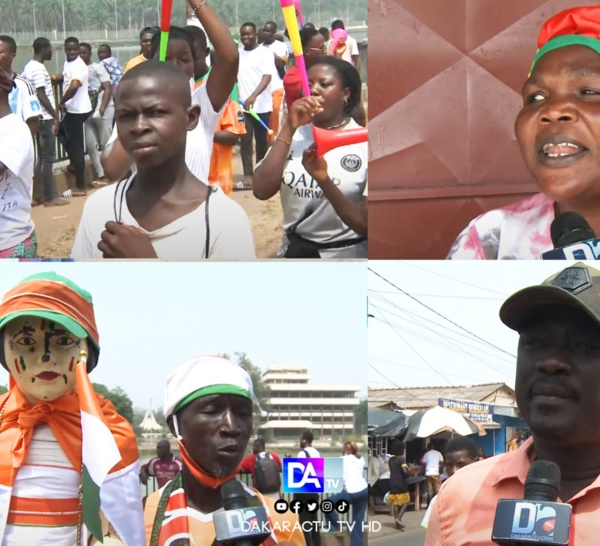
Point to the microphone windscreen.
(543, 481)
(569, 228)
(233, 495)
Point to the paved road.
(388, 535)
(415, 538)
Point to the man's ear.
(193, 114)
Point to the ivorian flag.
(99, 451)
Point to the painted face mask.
(41, 356)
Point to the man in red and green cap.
(70, 463)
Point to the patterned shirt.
(23, 100)
(520, 231)
(37, 75)
(114, 69)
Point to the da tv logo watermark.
(313, 475)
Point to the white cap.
(209, 374)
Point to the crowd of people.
(164, 171)
(53, 424)
(391, 476)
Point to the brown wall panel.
(445, 79)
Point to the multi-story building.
(296, 404)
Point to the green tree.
(120, 400)
(361, 417)
(261, 391)
(3, 389)
(160, 418)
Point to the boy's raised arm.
(225, 68)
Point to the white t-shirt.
(281, 50)
(77, 70)
(23, 101)
(98, 75)
(432, 462)
(301, 196)
(354, 474)
(253, 66)
(182, 239)
(199, 142)
(351, 49)
(16, 153)
(37, 75)
(312, 451)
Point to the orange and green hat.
(575, 26)
(54, 298)
(576, 286)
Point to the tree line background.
(17, 16)
(124, 405)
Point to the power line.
(420, 317)
(478, 298)
(437, 313)
(424, 359)
(401, 364)
(410, 264)
(504, 365)
(404, 389)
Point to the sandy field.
(56, 226)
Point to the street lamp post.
(116, 22)
(64, 25)
(34, 27)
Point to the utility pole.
(116, 22)
(64, 25)
(34, 26)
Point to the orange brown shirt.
(466, 504)
(134, 61)
(220, 172)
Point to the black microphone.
(573, 239)
(237, 523)
(537, 518)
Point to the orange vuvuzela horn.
(326, 139)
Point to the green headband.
(564, 41)
(213, 389)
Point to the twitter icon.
(312, 507)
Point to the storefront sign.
(476, 411)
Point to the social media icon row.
(296, 506)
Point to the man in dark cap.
(557, 385)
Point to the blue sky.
(152, 317)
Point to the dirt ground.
(56, 226)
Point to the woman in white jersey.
(355, 493)
(324, 200)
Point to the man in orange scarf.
(70, 462)
(209, 407)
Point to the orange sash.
(63, 417)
